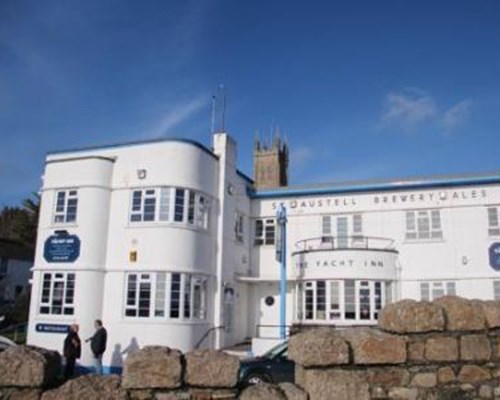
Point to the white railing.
(344, 242)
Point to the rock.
(473, 374)
(496, 342)
(402, 393)
(491, 311)
(461, 314)
(211, 368)
(318, 348)
(390, 376)
(329, 384)
(172, 396)
(409, 316)
(424, 379)
(486, 392)
(378, 393)
(445, 375)
(212, 394)
(29, 366)
(263, 391)
(153, 367)
(371, 346)
(89, 387)
(20, 394)
(416, 352)
(441, 349)
(475, 348)
(140, 395)
(293, 392)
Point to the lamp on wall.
(141, 173)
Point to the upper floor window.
(66, 206)
(433, 290)
(239, 228)
(166, 295)
(265, 231)
(423, 224)
(493, 226)
(343, 228)
(169, 204)
(58, 292)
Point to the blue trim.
(106, 370)
(138, 142)
(377, 187)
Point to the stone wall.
(446, 349)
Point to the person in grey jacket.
(98, 345)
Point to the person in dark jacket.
(72, 350)
(98, 345)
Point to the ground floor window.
(433, 290)
(341, 300)
(496, 290)
(57, 294)
(165, 295)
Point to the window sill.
(176, 225)
(163, 321)
(63, 225)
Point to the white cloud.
(408, 110)
(412, 110)
(177, 114)
(456, 115)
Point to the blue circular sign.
(494, 253)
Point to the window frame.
(423, 225)
(431, 290)
(263, 229)
(64, 201)
(493, 221)
(58, 294)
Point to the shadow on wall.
(118, 353)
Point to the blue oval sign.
(61, 248)
(52, 328)
(494, 252)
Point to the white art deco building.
(168, 243)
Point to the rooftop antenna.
(223, 116)
(212, 122)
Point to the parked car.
(274, 367)
(5, 343)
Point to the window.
(341, 300)
(496, 290)
(433, 290)
(163, 295)
(343, 230)
(168, 204)
(493, 226)
(58, 292)
(264, 232)
(423, 225)
(239, 227)
(66, 206)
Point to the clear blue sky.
(362, 89)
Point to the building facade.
(169, 243)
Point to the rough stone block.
(389, 376)
(378, 392)
(29, 366)
(491, 311)
(318, 348)
(20, 394)
(485, 392)
(461, 314)
(409, 316)
(475, 348)
(416, 352)
(89, 387)
(293, 392)
(371, 346)
(441, 349)
(445, 375)
(402, 393)
(473, 374)
(424, 379)
(153, 367)
(328, 384)
(211, 368)
(496, 346)
(264, 391)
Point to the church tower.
(270, 163)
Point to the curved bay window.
(166, 295)
(341, 301)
